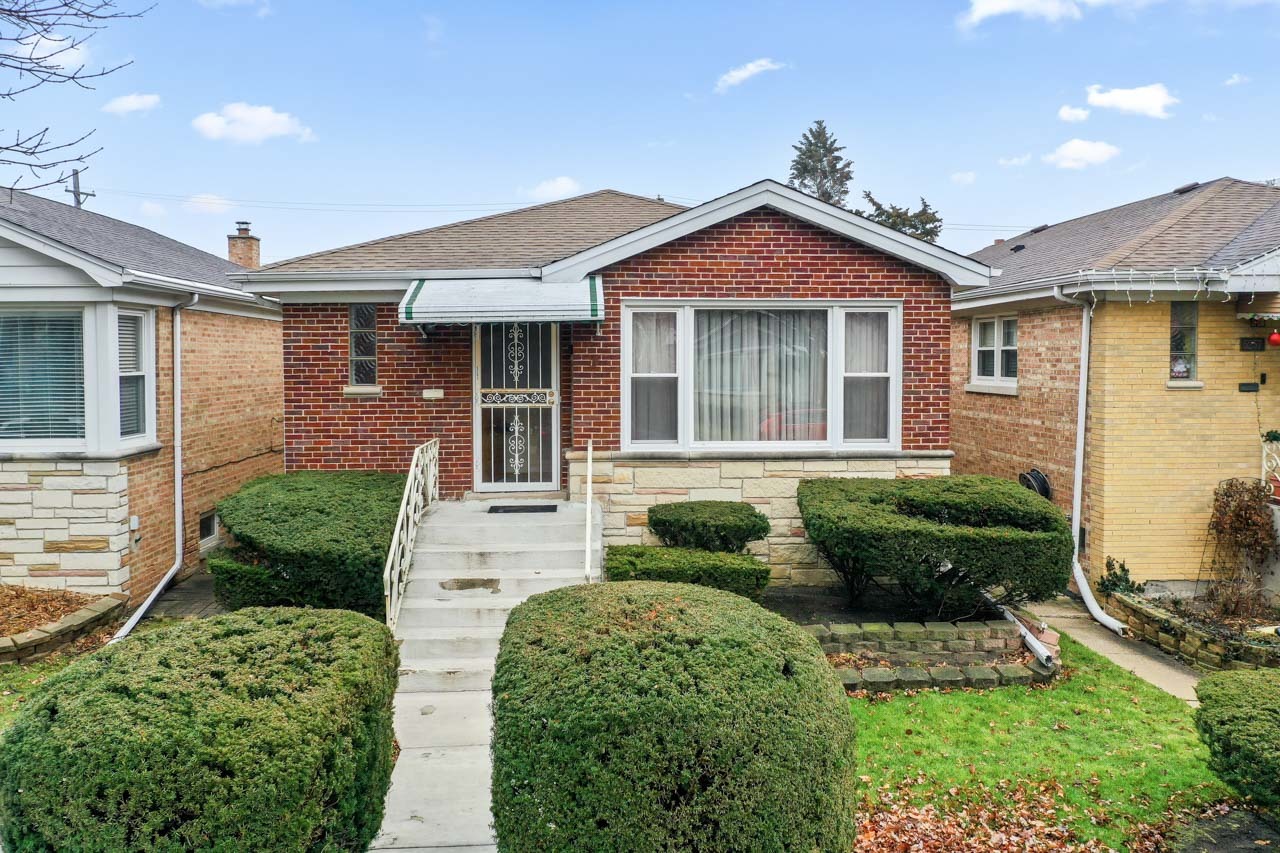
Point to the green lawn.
(1122, 750)
(17, 682)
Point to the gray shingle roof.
(529, 237)
(1216, 224)
(113, 241)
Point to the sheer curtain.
(760, 375)
(654, 383)
(866, 375)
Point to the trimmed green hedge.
(709, 525)
(1239, 720)
(657, 716)
(944, 540)
(310, 538)
(263, 730)
(740, 573)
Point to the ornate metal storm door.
(517, 415)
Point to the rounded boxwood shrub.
(740, 573)
(943, 540)
(709, 525)
(657, 716)
(310, 538)
(1239, 720)
(263, 730)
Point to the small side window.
(1184, 318)
(210, 529)
(364, 344)
(995, 349)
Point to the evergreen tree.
(924, 223)
(818, 167)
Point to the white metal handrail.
(586, 560)
(421, 490)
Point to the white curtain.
(760, 375)
(654, 386)
(866, 395)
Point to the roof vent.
(1186, 188)
(1018, 248)
(1039, 228)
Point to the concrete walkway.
(190, 598)
(1069, 616)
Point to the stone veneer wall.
(64, 525)
(627, 487)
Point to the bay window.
(738, 374)
(42, 394)
(133, 378)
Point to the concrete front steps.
(470, 568)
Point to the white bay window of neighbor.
(731, 375)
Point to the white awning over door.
(503, 300)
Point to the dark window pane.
(364, 316)
(364, 344)
(133, 420)
(364, 371)
(986, 362)
(866, 408)
(1009, 333)
(1009, 364)
(1184, 313)
(653, 409)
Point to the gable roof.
(1217, 224)
(528, 237)
(113, 241)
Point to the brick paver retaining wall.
(1195, 646)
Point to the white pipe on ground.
(179, 540)
(1077, 485)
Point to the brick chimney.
(998, 241)
(243, 248)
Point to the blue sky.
(327, 123)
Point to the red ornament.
(1274, 339)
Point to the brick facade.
(761, 254)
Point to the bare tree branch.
(43, 42)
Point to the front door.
(517, 413)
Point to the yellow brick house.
(1167, 304)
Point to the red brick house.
(720, 351)
(139, 385)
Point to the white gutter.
(1077, 485)
(179, 542)
(1039, 649)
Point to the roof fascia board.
(1087, 281)
(261, 278)
(961, 271)
(1263, 264)
(336, 297)
(102, 272)
(163, 282)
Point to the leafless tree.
(41, 42)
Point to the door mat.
(501, 508)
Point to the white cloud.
(1054, 11)
(134, 103)
(1236, 79)
(555, 188)
(153, 208)
(207, 203)
(1020, 160)
(261, 8)
(743, 73)
(1080, 153)
(1153, 100)
(964, 179)
(61, 53)
(1070, 113)
(1209, 117)
(241, 122)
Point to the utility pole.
(75, 189)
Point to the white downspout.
(1077, 485)
(179, 516)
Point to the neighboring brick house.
(1172, 287)
(88, 309)
(720, 351)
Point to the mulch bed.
(862, 660)
(23, 608)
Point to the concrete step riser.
(451, 617)
(568, 558)
(497, 534)
(449, 647)
(429, 681)
(482, 588)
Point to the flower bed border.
(43, 640)
(966, 648)
(1168, 631)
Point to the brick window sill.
(1007, 390)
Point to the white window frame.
(685, 356)
(101, 351)
(975, 376)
